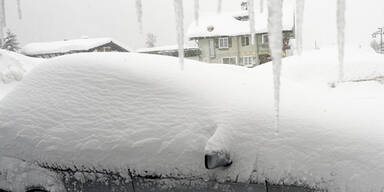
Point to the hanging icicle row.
(219, 4)
(139, 13)
(19, 11)
(251, 14)
(275, 44)
(3, 22)
(197, 7)
(340, 36)
(179, 15)
(299, 25)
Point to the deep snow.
(125, 110)
(13, 67)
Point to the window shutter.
(217, 42)
(229, 42)
(242, 41)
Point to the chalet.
(226, 38)
(57, 48)
(190, 51)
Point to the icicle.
(219, 3)
(299, 25)
(340, 35)
(179, 14)
(2, 20)
(275, 44)
(20, 14)
(251, 13)
(139, 13)
(261, 6)
(197, 7)
(3, 15)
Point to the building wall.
(236, 50)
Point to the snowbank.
(13, 67)
(117, 111)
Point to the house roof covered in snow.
(229, 24)
(65, 46)
(166, 48)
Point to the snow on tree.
(19, 11)
(151, 40)
(139, 13)
(275, 44)
(197, 7)
(375, 45)
(299, 25)
(340, 13)
(179, 15)
(219, 3)
(10, 42)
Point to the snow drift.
(140, 112)
(13, 67)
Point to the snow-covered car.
(136, 122)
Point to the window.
(264, 39)
(107, 49)
(211, 48)
(244, 41)
(223, 43)
(248, 60)
(229, 60)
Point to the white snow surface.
(13, 67)
(225, 24)
(66, 46)
(125, 110)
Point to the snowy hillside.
(13, 67)
(117, 111)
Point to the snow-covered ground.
(127, 110)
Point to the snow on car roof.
(226, 24)
(65, 46)
(141, 112)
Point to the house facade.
(226, 38)
(58, 48)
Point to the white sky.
(49, 20)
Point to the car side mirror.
(217, 159)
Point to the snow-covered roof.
(142, 113)
(66, 46)
(226, 24)
(166, 48)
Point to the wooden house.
(58, 48)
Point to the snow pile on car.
(137, 112)
(13, 67)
